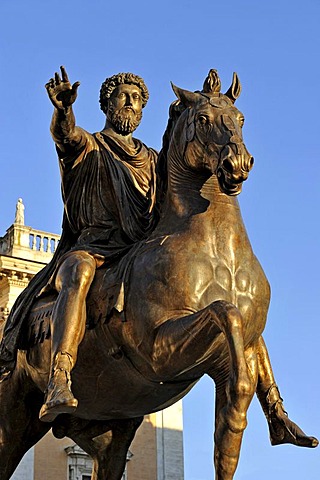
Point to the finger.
(50, 84)
(64, 74)
(75, 87)
(57, 78)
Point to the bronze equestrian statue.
(158, 307)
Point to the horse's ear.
(234, 91)
(188, 99)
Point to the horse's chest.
(235, 269)
(244, 284)
(238, 280)
(227, 269)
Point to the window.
(79, 463)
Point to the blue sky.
(274, 48)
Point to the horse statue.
(195, 303)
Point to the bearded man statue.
(109, 190)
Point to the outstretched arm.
(62, 95)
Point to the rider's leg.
(72, 281)
(281, 428)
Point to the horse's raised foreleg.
(281, 428)
(204, 336)
(180, 344)
(107, 442)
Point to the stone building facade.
(157, 450)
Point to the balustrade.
(43, 242)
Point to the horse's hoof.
(49, 411)
(294, 439)
(301, 441)
(283, 430)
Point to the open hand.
(61, 93)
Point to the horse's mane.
(175, 110)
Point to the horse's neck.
(184, 196)
(208, 224)
(193, 200)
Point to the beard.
(124, 120)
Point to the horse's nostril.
(251, 163)
(227, 165)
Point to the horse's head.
(211, 129)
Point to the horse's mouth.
(228, 186)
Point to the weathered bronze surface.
(154, 285)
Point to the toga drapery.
(109, 193)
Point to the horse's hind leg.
(234, 392)
(20, 427)
(106, 442)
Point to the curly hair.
(112, 82)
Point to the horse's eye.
(203, 120)
(241, 120)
